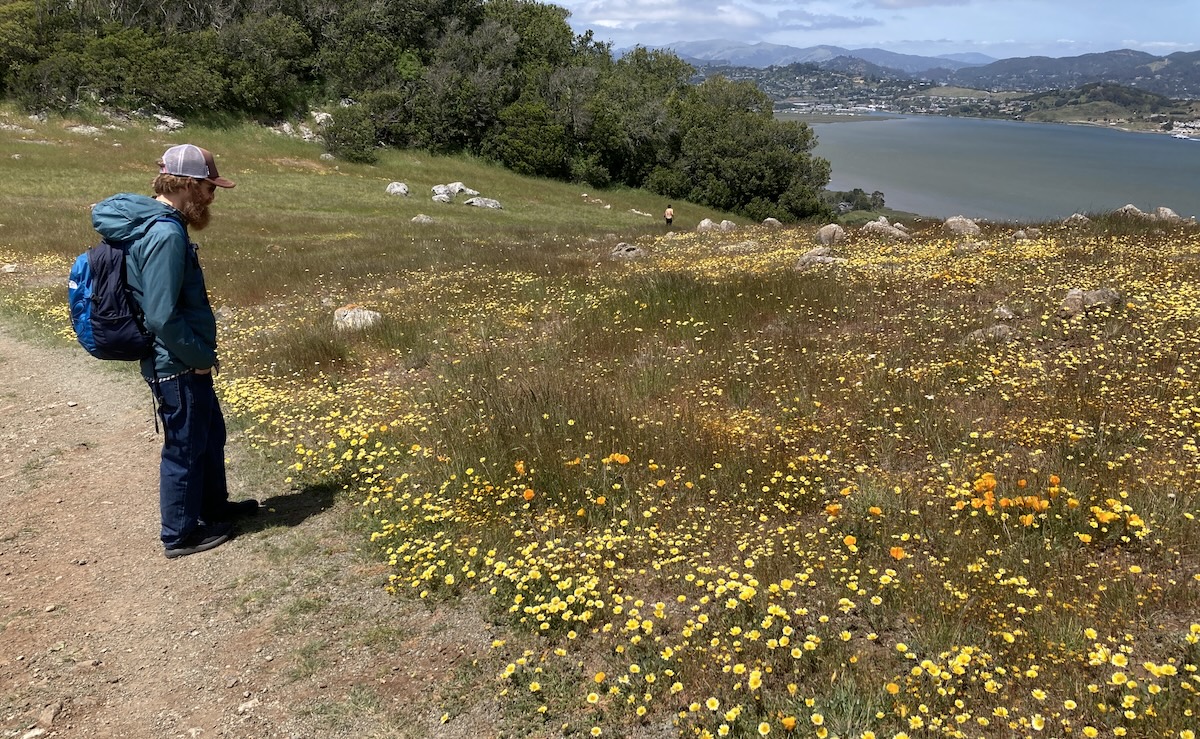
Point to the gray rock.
(458, 188)
(1077, 219)
(817, 256)
(1003, 313)
(321, 118)
(484, 203)
(84, 130)
(442, 198)
(443, 190)
(1130, 210)
(772, 223)
(9, 269)
(355, 317)
(1163, 213)
(831, 234)
(962, 226)
(1104, 297)
(422, 218)
(706, 225)
(1020, 236)
(327, 157)
(627, 251)
(166, 123)
(728, 226)
(1072, 304)
(881, 228)
(397, 188)
(991, 335)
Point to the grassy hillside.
(704, 492)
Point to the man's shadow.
(292, 509)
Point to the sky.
(997, 28)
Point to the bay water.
(1009, 170)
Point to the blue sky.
(998, 28)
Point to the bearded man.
(164, 275)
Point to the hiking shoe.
(231, 510)
(235, 509)
(206, 536)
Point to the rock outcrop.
(830, 234)
(962, 226)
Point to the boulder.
(880, 228)
(458, 188)
(706, 225)
(484, 203)
(1104, 297)
(627, 251)
(772, 223)
(442, 197)
(1020, 235)
(816, 256)
(831, 234)
(397, 188)
(1077, 219)
(321, 118)
(1163, 213)
(166, 123)
(991, 335)
(1003, 313)
(1072, 304)
(355, 317)
(962, 226)
(443, 190)
(422, 218)
(1129, 210)
(327, 157)
(9, 269)
(728, 226)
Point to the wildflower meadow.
(706, 493)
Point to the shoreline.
(887, 115)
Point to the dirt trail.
(283, 632)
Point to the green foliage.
(529, 141)
(268, 64)
(506, 80)
(351, 135)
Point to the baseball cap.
(188, 160)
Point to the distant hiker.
(669, 215)
(163, 273)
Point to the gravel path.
(283, 632)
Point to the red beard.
(197, 214)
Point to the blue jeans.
(191, 484)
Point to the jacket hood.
(127, 217)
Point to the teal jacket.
(164, 273)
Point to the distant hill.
(721, 52)
(1175, 76)
(971, 57)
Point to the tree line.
(506, 80)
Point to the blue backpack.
(106, 317)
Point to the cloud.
(802, 20)
(903, 4)
(671, 20)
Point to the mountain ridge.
(1175, 75)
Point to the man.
(163, 272)
(669, 215)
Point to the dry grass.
(806, 498)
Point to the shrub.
(351, 135)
